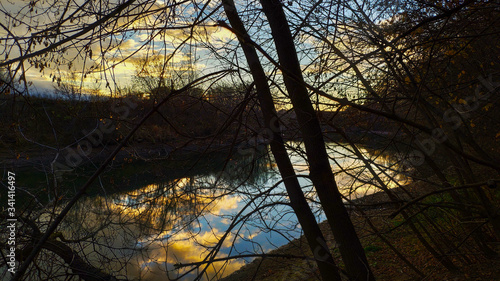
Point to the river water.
(180, 212)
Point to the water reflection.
(145, 232)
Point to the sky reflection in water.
(180, 221)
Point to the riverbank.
(37, 157)
(383, 261)
(43, 157)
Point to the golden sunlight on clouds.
(151, 202)
(227, 203)
(155, 251)
(221, 34)
(187, 249)
(184, 246)
(121, 61)
(111, 60)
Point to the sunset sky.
(106, 58)
(114, 58)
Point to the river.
(144, 219)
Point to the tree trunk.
(320, 171)
(305, 216)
